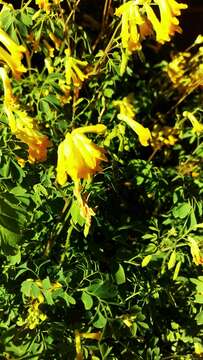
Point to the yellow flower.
(197, 126)
(131, 19)
(195, 252)
(13, 56)
(72, 70)
(35, 315)
(163, 136)
(57, 42)
(127, 114)
(78, 156)
(23, 126)
(43, 4)
(20, 161)
(177, 67)
(125, 107)
(168, 23)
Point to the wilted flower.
(197, 126)
(13, 56)
(78, 156)
(127, 114)
(23, 126)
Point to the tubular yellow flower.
(197, 126)
(131, 19)
(78, 156)
(168, 23)
(23, 126)
(127, 114)
(125, 107)
(143, 133)
(13, 56)
(73, 73)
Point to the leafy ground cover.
(100, 182)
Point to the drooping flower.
(127, 115)
(197, 126)
(13, 56)
(73, 73)
(131, 19)
(78, 156)
(22, 125)
(168, 23)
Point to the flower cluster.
(13, 55)
(22, 125)
(139, 20)
(186, 69)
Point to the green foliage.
(135, 279)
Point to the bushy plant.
(100, 182)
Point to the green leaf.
(75, 213)
(46, 284)
(68, 299)
(6, 19)
(15, 259)
(48, 297)
(182, 210)
(51, 99)
(199, 298)
(108, 92)
(87, 300)
(120, 275)
(103, 290)
(199, 318)
(100, 321)
(35, 291)
(8, 241)
(26, 287)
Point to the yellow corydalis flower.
(73, 73)
(78, 156)
(131, 19)
(168, 23)
(197, 126)
(13, 56)
(127, 114)
(23, 126)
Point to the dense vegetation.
(100, 182)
